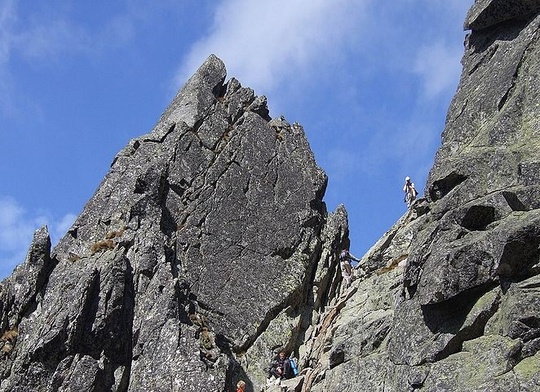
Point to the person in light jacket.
(345, 258)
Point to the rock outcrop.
(451, 300)
(208, 247)
(198, 256)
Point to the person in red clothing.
(240, 386)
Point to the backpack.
(294, 367)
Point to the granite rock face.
(449, 298)
(196, 258)
(208, 247)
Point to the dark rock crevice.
(514, 202)
(520, 253)
(442, 187)
(450, 317)
(478, 217)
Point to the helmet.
(407, 179)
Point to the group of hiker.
(283, 367)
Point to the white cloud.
(51, 32)
(46, 34)
(15, 230)
(41, 36)
(436, 65)
(17, 227)
(51, 39)
(15, 235)
(61, 227)
(263, 43)
(7, 17)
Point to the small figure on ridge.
(410, 192)
(345, 258)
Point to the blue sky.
(369, 80)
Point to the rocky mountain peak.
(198, 251)
(207, 248)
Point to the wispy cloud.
(45, 35)
(432, 65)
(53, 39)
(15, 234)
(40, 41)
(48, 32)
(264, 43)
(15, 231)
(38, 36)
(17, 227)
(7, 18)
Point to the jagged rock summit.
(192, 262)
(208, 246)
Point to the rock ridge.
(448, 299)
(196, 254)
(208, 247)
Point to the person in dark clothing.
(281, 367)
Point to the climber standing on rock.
(345, 258)
(410, 191)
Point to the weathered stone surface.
(208, 247)
(190, 265)
(484, 229)
(519, 316)
(462, 314)
(22, 290)
(486, 13)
